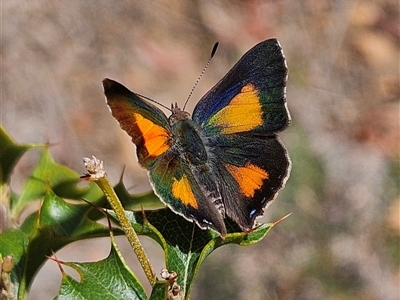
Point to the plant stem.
(99, 176)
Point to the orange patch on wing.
(249, 177)
(144, 133)
(154, 136)
(181, 189)
(243, 112)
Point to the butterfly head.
(177, 114)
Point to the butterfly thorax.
(188, 138)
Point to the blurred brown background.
(342, 240)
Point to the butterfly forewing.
(250, 97)
(146, 124)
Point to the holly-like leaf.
(55, 225)
(10, 153)
(47, 173)
(106, 279)
(184, 244)
(159, 291)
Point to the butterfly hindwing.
(250, 97)
(251, 170)
(146, 124)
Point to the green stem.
(100, 178)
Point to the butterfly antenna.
(154, 101)
(214, 49)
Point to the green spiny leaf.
(47, 174)
(185, 245)
(10, 153)
(159, 291)
(106, 279)
(55, 225)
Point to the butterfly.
(224, 160)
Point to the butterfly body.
(225, 159)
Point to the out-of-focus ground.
(342, 240)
